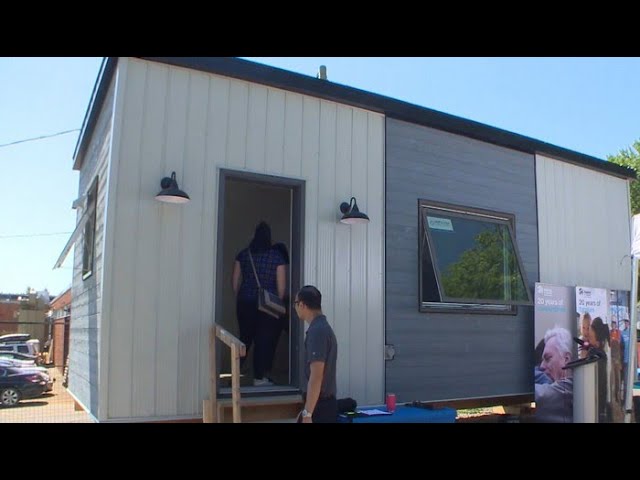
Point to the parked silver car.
(29, 347)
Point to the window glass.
(469, 257)
(88, 251)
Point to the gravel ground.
(53, 407)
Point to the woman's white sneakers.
(262, 382)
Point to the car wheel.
(9, 397)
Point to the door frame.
(296, 255)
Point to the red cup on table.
(391, 402)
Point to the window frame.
(464, 305)
(88, 261)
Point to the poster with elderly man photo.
(555, 327)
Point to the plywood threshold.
(263, 400)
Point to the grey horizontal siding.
(86, 306)
(446, 356)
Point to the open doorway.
(245, 200)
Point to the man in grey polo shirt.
(321, 354)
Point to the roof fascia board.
(100, 89)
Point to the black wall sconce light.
(170, 192)
(351, 214)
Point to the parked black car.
(17, 384)
(27, 366)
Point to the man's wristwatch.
(306, 413)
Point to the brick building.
(8, 316)
(60, 316)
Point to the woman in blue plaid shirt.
(257, 327)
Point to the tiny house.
(431, 299)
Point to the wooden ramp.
(270, 408)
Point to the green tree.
(480, 271)
(630, 157)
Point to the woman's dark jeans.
(263, 330)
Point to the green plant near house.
(630, 157)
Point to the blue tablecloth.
(405, 414)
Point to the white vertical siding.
(125, 263)
(189, 349)
(584, 226)
(342, 254)
(163, 278)
(237, 132)
(215, 155)
(148, 235)
(256, 141)
(358, 278)
(273, 136)
(168, 283)
(293, 139)
(327, 210)
(310, 169)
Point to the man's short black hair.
(311, 297)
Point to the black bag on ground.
(346, 405)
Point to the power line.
(28, 235)
(40, 138)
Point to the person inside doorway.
(258, 328)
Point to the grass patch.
(473, 412)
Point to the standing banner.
(555, 325)
(619, 342)
(592, 305)
(593, 301)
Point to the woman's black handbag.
(267, 301)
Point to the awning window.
(75, 235)
(469, 257)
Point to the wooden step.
(262, 408)
(260, 400)
(279, 420)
